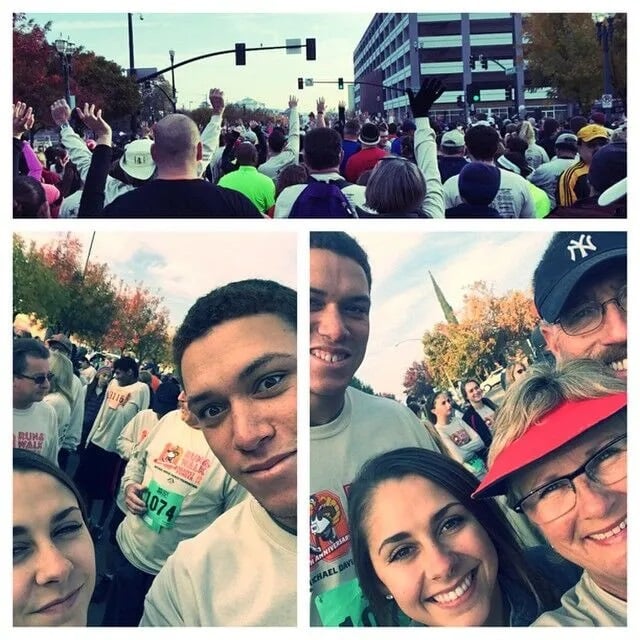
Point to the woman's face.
(103, 379)
(473, 391)
(432, 555)
(442, 407)
(518, 371)
(54, 570)
(593, 533)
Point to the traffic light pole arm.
(498, 63)
(211, 55)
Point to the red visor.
(561, 425)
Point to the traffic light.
(472, 61)
(300, 83)
(473, 93)
(484, 62)
(460, 102)
(241, 54)
(507, 94)
(340, 83)
(311, 48)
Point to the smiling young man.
(236, 351)
(347, 426)
(35, 424)
(580, 291)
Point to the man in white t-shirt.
(236, 351)
(513, 199)
(35, 425)
(347, 426)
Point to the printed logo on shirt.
(116, 398)
(30, 440)
(330, 537)
(187, 466)
(460, 438)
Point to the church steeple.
(444, 305)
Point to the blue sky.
(180, 267)
(404, 304)
(269, 76)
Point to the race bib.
(345, 606)
(163, 507)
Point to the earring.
(389, 596)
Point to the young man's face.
(124, 377)
(339, 316)
(240, 381)
(606, 342)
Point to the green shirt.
(259, 188)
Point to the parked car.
(492, 380)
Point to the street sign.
(143, 72)
(607, 101)
(308, 82)
(293, 42)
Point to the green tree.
(36, 291)
(356, 383)
(563, 53)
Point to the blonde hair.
(543, 389)
(62, 381)
(527, 133)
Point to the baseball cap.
(561, 425)
(62, 340)
(569, 257)
(250, 136)
(479, 183)
(567, 139)
(592, 132)
(51, 192)
(136, 160)
(453, 138)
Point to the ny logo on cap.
(582, 246)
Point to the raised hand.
(421, 102)
(92, 118)
(293, 102)
(216, 98)
(320, 105)
(60, 112)
(23, 119)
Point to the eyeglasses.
(556, 498)
(39, 379)
(590, 316)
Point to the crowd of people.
(510, 513)
(356, 167)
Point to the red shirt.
(362, 161)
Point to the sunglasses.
(39, 379)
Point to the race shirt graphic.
(30, 440)
(330, 537)
(116, 397)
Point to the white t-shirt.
(514, 199)
(239, 572)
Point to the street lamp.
(604, 32)
(172, 55)
(65, 49)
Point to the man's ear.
(550, 334)
(199, 151)
(152, 151)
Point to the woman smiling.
(54, 568)
(422, 545)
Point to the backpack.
(322, 200)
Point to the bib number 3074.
(163, 507)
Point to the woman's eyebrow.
(61, 515)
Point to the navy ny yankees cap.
(568, 258)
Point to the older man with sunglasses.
(580, 291)
(559, 454)
(35, 424)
